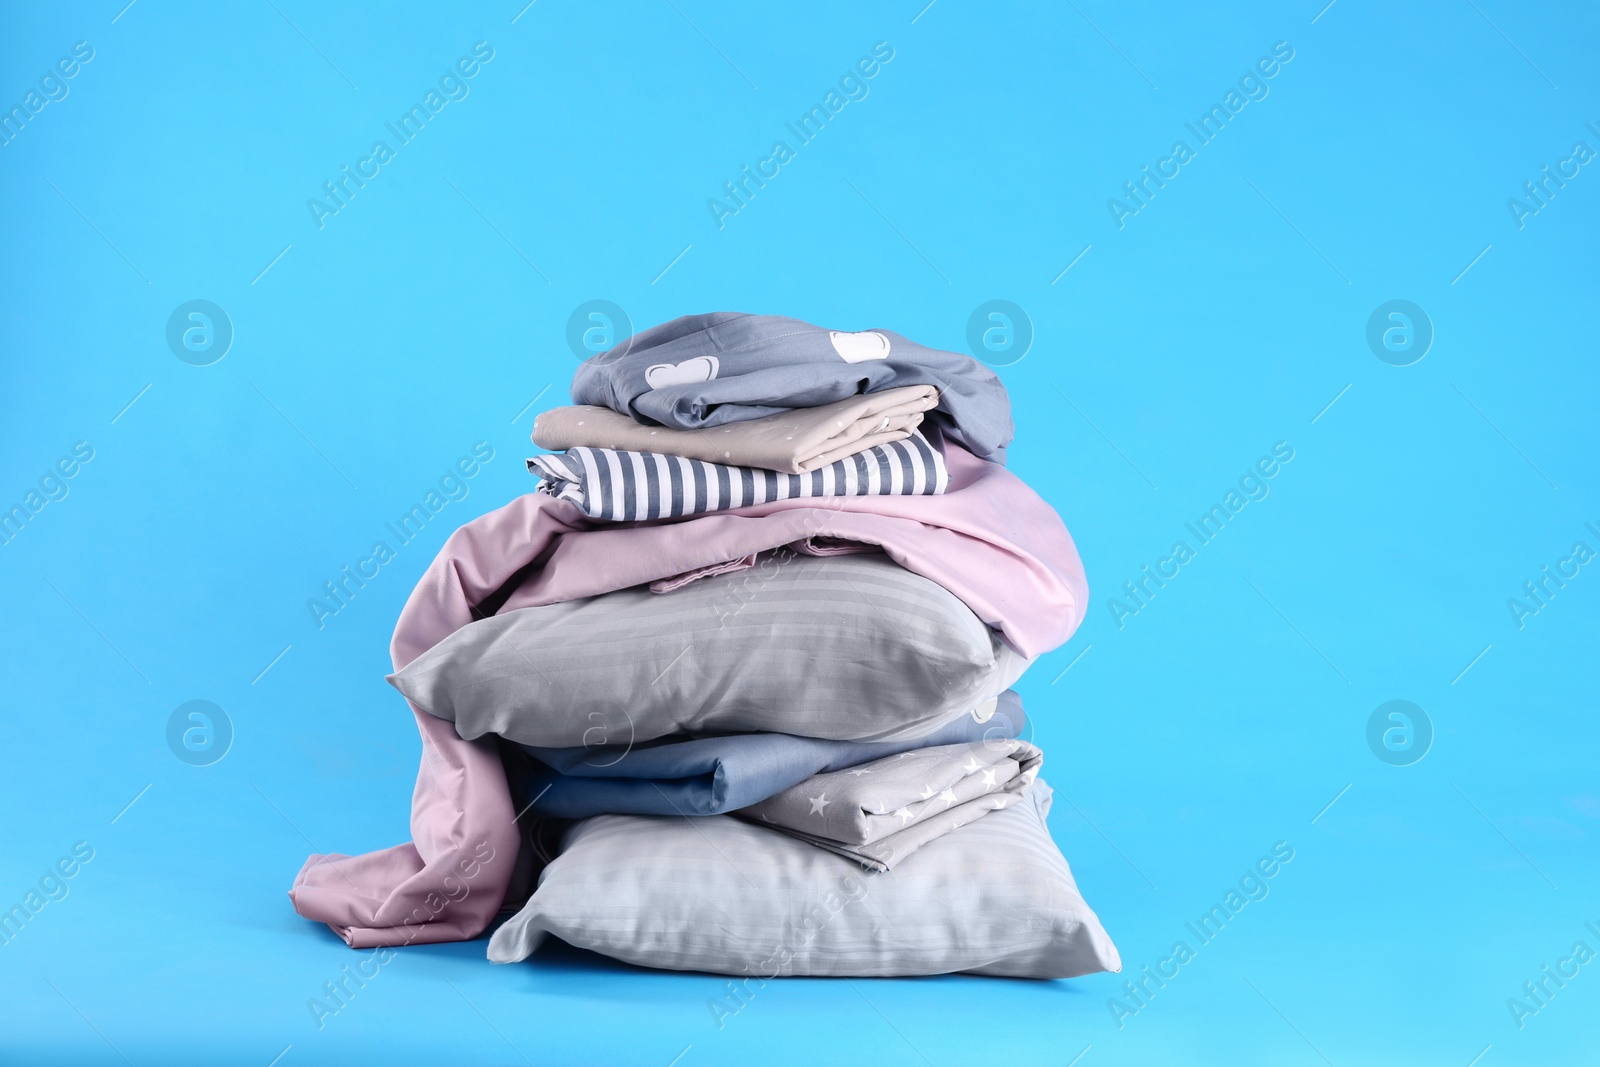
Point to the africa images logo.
(452, 86)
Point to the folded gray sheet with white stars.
(881, 812)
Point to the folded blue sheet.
(716, 775)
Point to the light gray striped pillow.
(850, 647)
(725, 896)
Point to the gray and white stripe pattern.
(618, 486)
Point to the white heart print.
(859, 347)
(698, 369)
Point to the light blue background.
(429, 313)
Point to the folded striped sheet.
(617, 486)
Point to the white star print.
(948, 796)
(858, 772)
(988, 778)
(818, 803)
(927, 791)
(971, 766)
(905, 815)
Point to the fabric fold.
(619, 486)
(714, 775)
(988, 539)
(879, 813)
(792, 442)
(704, 371)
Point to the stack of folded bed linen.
(730, 691)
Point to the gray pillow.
(849, 647)
(721, 895)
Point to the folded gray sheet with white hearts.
(711, 370)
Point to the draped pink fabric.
(989, 539)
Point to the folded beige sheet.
(793, 442)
